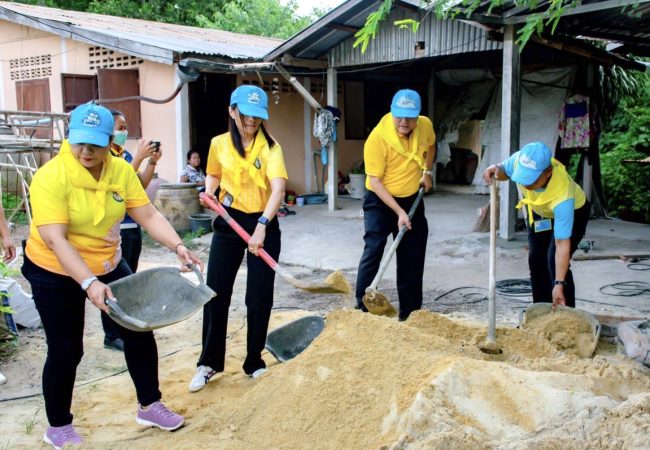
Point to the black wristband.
(560, 282)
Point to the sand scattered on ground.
(372, 382)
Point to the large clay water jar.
(177, 201)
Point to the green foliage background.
(258, 17)
(627, 136)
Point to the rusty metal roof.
(156, 41)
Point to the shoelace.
(162, 409)
(69, 433)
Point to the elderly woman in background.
(78, 200)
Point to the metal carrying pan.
(156, 298)
(288, 341)
(540, 309)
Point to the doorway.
(209, 98)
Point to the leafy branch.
(449, 9)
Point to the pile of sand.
(373, 382)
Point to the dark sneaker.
(157, 415)
(114, 344)
(57, 437)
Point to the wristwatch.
(560, 282)
(85, 284)
(427, 172)
(263, 220)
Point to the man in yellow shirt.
(398, 158)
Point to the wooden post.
(332, 163)
(510, 127)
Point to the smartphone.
(156, 145)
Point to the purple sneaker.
(57, 437)
(157, 415)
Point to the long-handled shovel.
(334, 283)
(490, 344)
(375, 301)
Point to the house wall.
(287, 124)
(21, 43)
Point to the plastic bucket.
(177, 202)
(357, 185)
(201, 222)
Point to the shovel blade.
(377, 303)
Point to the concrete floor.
(318, 241)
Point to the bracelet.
(153, 163)
(178, 245)
(428, 172)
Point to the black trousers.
(226, 255)
(380, 221)
(541, 258)
(61, 303)
(131, 248)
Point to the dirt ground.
(365, 382)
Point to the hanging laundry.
(574, 122)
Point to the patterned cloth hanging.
(574, 122)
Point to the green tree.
(627, 137)
(181, 12)
(74, 5)
(258, 17)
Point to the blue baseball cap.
(251, 101)
(532, 160)
(406, 103)
(90, 124)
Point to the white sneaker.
(201, 378)
(258, 373)
(3, 379)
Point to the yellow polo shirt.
(55, 200)
(224, 162)
(400, 176)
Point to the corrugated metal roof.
(440, 38)
(156, 41)
(624, 21)
(333, 33)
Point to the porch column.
(510, 124)
(431, 103)
(332, 163)
(182, 106)
(309, 157)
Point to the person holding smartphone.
(130, 231)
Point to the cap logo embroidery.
(527, 162)
(254, 98)
(405, 102)
(91, 120)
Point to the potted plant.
(357, 186)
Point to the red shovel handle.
(219, 209)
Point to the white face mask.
(119, 137)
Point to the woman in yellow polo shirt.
(398, 157)
(247, 165)
(78, 200)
